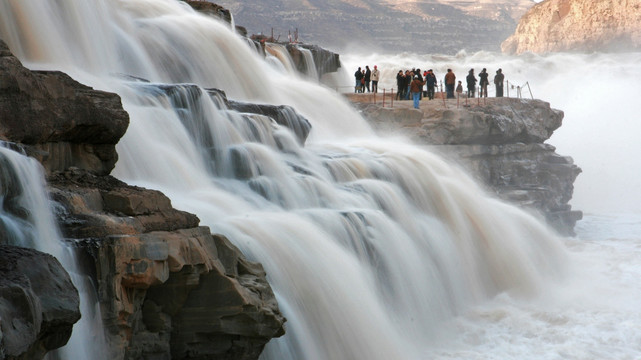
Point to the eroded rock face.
(167, 287)
(38, 304)
(325, 61)
(578, 25)
(64, 122)
(501, 143)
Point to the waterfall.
(310, 65)
(27, 220)
(370, 244)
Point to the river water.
(376, 249)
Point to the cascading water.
(370, 245)
(27, 220)
(310, 66)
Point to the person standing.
(409, 75)
(471, 83)
(416, 86)
(431, 84)
(459, 89)
(450, 81)
(400, 84)
(498, 82)
(358, 76)
(483, 82)
(375, 76)
(368, 77)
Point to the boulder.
(38, 304)
(62, 122)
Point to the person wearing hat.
(416, 86)
(471, 83)
(375, 75)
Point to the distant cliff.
(499, 141)
(578, 25)
(434, 26)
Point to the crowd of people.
(364, 78)
(415, 84)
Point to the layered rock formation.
(38, 304)
(501, 143)
(62, 122)
(578, 25)
(167, 287)
(435, 26)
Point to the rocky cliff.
(167, 287)
(500, 141)
(578, 25)
(435, 26)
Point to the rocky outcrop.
(38, 304)
(62, 122)
(325, 61)
(578, 25)
(501, 143)
(210, 9)
(167, 287)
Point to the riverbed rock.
(38, 304)
(500, 141)
(167, 287)
(578, 25)
(62, 122)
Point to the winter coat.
(430, 79)
(471, 81)
(416, 86)
(375, 75)
(450, 78)
(483, 78)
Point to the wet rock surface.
(500, 141)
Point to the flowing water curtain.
(369, 244)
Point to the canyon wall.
(578, 25)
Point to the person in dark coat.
(471, 83)
(483, 82)
(430, 80)
(368, 77)
(358, 76)
(498, 82)
(400, 84)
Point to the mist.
(595, 91)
